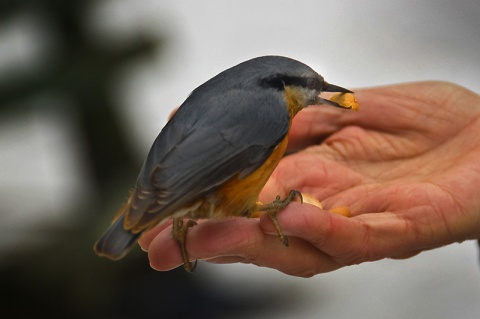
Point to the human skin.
(407, 165)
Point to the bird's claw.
(274, 207)
(180, 230)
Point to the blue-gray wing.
(204, 145)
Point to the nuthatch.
(214, 156)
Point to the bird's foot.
(180, 230)
(274, 207)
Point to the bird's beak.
(327, 87)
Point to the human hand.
(407, 164)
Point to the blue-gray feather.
(227, 127)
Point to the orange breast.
(239, 197)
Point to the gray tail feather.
(116, 242)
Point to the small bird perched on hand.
(214, 156)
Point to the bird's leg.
(180, 230)
(274, 207)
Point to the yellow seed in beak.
(347, 100)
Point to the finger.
(241, 240)
(148, 236)
(310, 172)
(299, 259)
(348, 241)
(227, 260)
(204, 241)
(313, 124)
(387, 109)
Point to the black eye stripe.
(273, 82)
(280, 81)
(313, 84)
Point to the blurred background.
(86, 86)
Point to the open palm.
(407, 165)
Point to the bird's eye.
(313, 84)
(273, 82)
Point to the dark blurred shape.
(69, 281)
(84, 72)
(65, 278)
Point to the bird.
(216, 153)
